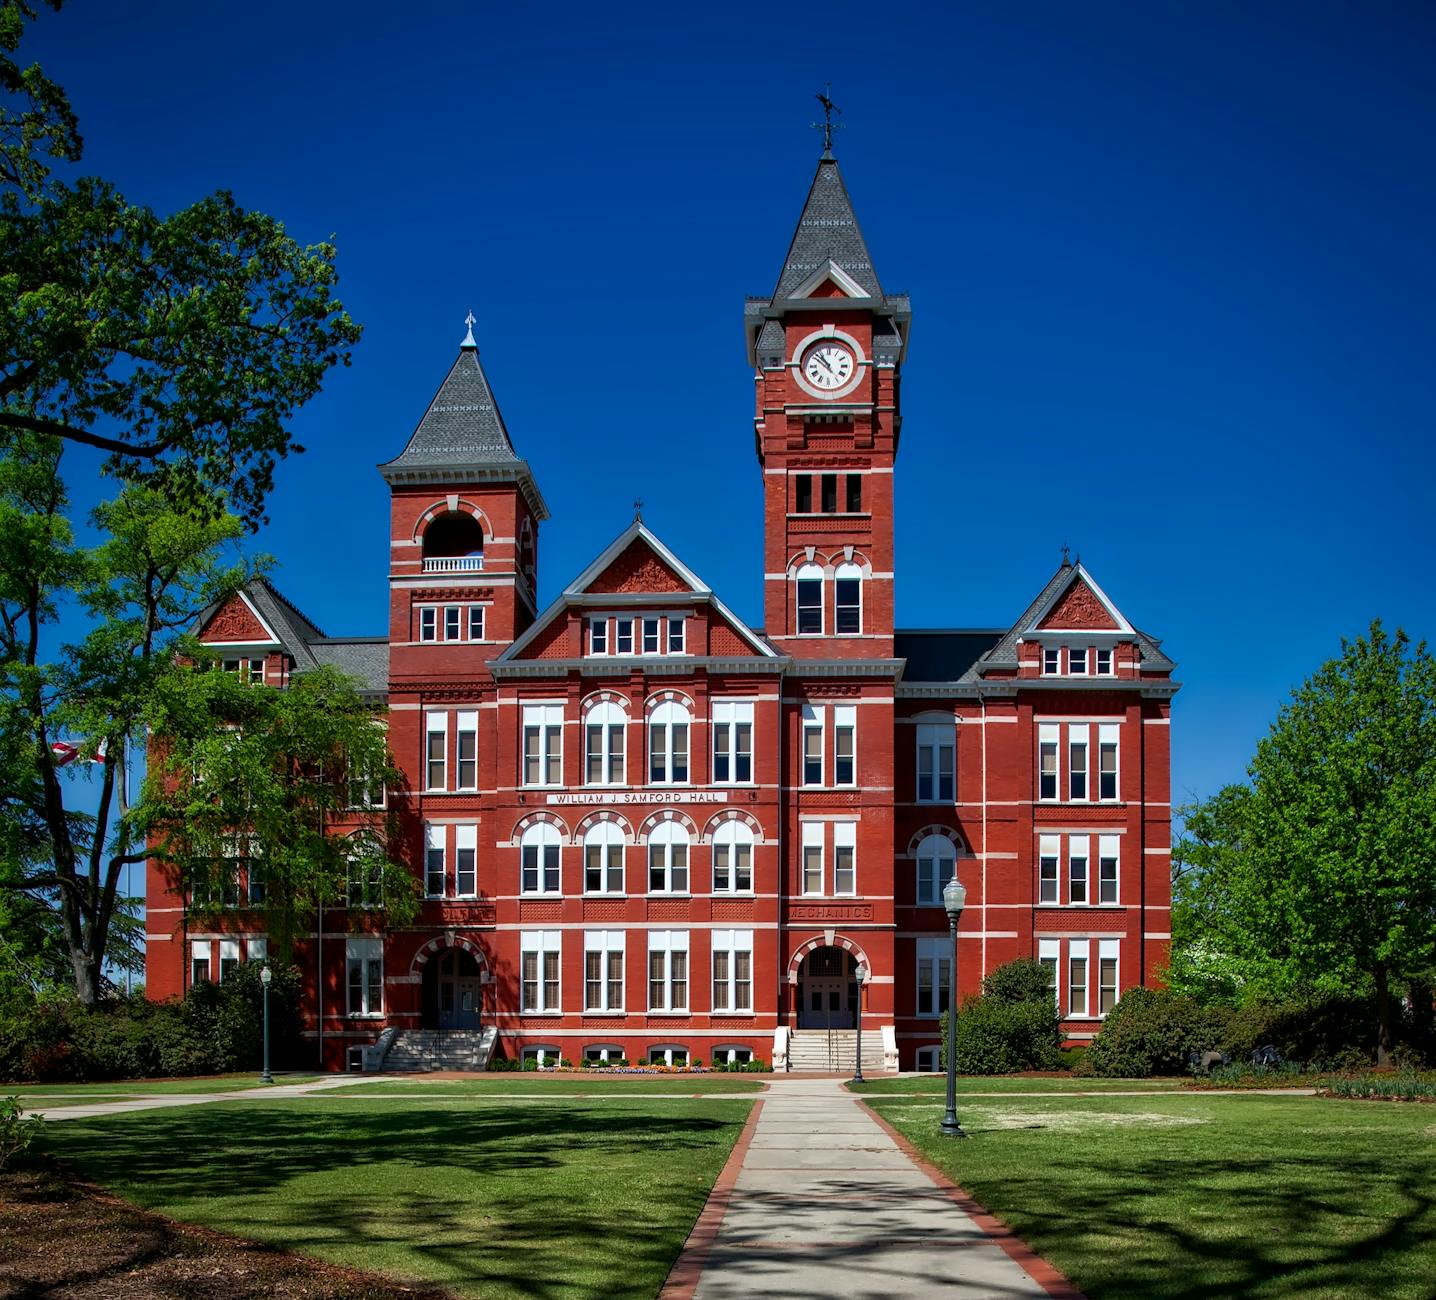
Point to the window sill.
(659, 893)
(591, 1011)
(365, 1015)
(672, 1011)
(595, 895)
(539, 895)
(747, 1013)
(734, 893)
(551, 1015)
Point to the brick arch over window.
(654, 820)
(442, 943)
(606, 817)
(446, 506)
(733, 815)
(594, 699)
(947, 832)
(669, 697)
(811, 555)
(539, 819)
(821, 941)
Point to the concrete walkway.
(825, 1204)
(118, 1105)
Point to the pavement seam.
(1049, 1278)
(683, 1278)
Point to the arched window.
(810, 600)
(603, 859)
(733, 859)
(604, 730)
(936, 861)
(453, 541)
(539, 850)
(668, 859)
(848, 600)
(668, 744)
(365, 862)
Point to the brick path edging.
(1050, 1279)
(682, 1279)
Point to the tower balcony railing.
(453, 563)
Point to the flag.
(64, 752)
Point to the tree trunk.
(1423, 1014)
(87, 978)
(1385, 1018)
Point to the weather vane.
(827, 126)
(469, 337)
(637, 509)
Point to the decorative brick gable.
(638, 569)
(235, 621)
(1079, 607)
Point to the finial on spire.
(827, 126)
(1066, 550)
(637, 510)
(469, 337)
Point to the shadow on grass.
(552, 1201)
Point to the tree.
(1326, 868)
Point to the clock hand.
(822, 361)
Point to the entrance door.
(826, 990)
(459, 990)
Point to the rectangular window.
(1049, 736)
(1049, 954)
(257, 949)
(466, 726)
(598, 636)
(732, 742)
(1107, 857)
(539, 862)
(650, 636)
(1078, 847)
(603, 970)
(814, 837)
(810, 606)
(364, 958)
(803, 494)
(228, 958)
(1077, 662)
(732, 866)
(436, 747)
(623, 629)
(428, 623)
(668, 864)
(434, 872)
(812, 716)
(199, 960)
(847, 606)
(1104, 663)
(675, 636)
(476, 622)
(543, 744)
(733, 970)
(845, 743)
(668, 970)
(855, 494)
(466, 854)
(254, 873)
(830, 494)
(249, 671)
(1077, 762)
(452, 622)
(539, 952)
(1051, 661)
(1077, 977)
(845, 856)
(1107, 786)
(936, 762)
(934, 976)
(603, 864)
(1106, 975)
(1048, 853)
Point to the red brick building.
(645, 829)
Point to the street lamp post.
(862, 974)
(264, 978)
(953, 898)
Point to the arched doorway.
(828, 989)
(452, 991)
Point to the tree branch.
(35, 424)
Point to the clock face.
(828, 366)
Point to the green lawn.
(129, 1088)
(564, 1199)
(936, 1084)
(499, 1085)
(1181, 1197)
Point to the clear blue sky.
(1171, 269)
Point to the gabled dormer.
(465, 511)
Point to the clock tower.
(827, 347)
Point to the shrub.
(1023, 980)
(1004, 1037)
(1151, 1031)
(16, 1131)
(1319, 1032)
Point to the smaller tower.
(465, 511)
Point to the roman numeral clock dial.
(828, 366)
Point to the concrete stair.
(421, 1050)
(821, 1051)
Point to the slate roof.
(828, 231)
(462, 426)
(942, 654)
(294, 630)
(364, 657)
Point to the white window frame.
(928, 1059)
(663, 842)
(1079, 736)
(605, 945)
(732, 995)
(598, 637)
(1108, 950)
(548, 993)
(808, 573)
(612, 724)
(729, 718)
(436, 723)
(1109, 849)
(665, 944)
(1049, 885)
(466, 840)
(676, 634)
(651, 629)
(228, 956)
(1079, 956)
(670, 720)
(428, 623)
(545, 723)
(201, 953)
(607, 839)
(934, 962)
(934, 739)
(1109, 736)
(1103, 665)
(936, 865)
(847, 572)
(814, 718)
(814, 841)
(543, 841)
(1049, 743)
(367, 952)
(1079, 849)
(728, 840)
(453, 620)
(623, 631)
(256, 948)
(1077, 661)
(1051, 661)
(845, 842)
(435, 838)
(845, 725)
(466, 727)
(1049, 955)
(474, 623)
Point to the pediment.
(237, 622)
(636, 570)
(1080, 606)
(829, 281)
